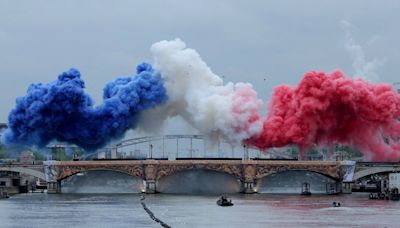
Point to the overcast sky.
(240, 40)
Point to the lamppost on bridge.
(151, 151)
(191, 147)
(219, 147)
(245, 152)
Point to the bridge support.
(54, 187)
(346, 187)
(249, 187)
(150, 186)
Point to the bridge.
(248, 172)
(365, 169)
(244, 164)
(32, 170)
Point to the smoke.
(62, 111)
(330, 108)
(322, 109)
(363, 69)
(199, 96)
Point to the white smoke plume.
(198, 95)
(363, 69)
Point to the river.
(258, 210)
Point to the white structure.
(394, 180)
(114, 153)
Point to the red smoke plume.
(330, 108)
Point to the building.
(27, 157)
(10, 181)
(3, 127)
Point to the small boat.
(224, 202)
(373, 196)
(3, 193)
(335, 204)
(394, 194)
(305, 189)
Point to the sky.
(265, 43)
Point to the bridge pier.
(54, 187)
(150, 187)
(346, 187)
(249, 187)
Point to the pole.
(245, 152)
(163, 146)
(177, 147)
(204, 147)
(219, 148)
(191, 147)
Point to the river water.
(257, 210)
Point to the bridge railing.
(183, 146)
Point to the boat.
(224, 202)
(332, 189)
(394, 194)
(305, 189)
(335, 204)
(3, 193)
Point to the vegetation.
(344, 152)
(39, 156)
(78, 151)
(347, 151)
(3, 152)
(66, 153)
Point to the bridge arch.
(66, 172)
(292, 180)
(234, 171)
(65, 176)
(199, 181)
(161, 176)
(262, 175)
(373, 170)
(101, 181)
(25, 170)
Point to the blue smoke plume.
(62, 111)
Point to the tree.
(58, 153)
(39, 156)
(3, 152)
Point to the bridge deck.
(173, 162)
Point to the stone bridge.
(32, 170)
(247, 171)
(364, 169)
